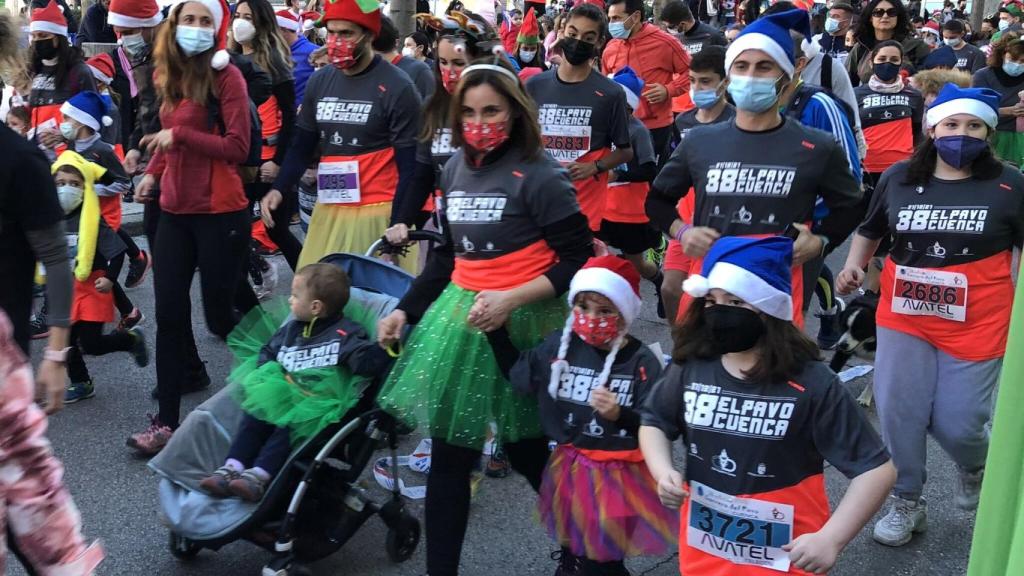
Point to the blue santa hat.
(631, 84)
(754, 269)
(941, 57)
(770, 34)
(87, 108)
(952, 100)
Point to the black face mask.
(577, 51)
(886, 71)
(733, 328)
(45, 49)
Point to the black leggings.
(281, 233)
(132, 248)
(448, 493)
(88, 338)
(123, 303)
(216, 244)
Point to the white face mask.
(243, 30)
(70, 197)
(408, 52)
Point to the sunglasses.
(883, 12)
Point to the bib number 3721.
(740, 530)
(926, 292)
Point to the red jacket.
(657, 58)
(199, 173)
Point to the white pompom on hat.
(221, 22)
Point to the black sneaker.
(657, 281)
(829, 332)
(497, 464)
(139, 351)
(568, 563)
(137, 268)
(38, 327)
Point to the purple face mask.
(959, 151)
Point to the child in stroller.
(298, 383)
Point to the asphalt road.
(116, 492)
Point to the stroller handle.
(414, 236)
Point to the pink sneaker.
(152, 439)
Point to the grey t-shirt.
(688, 120)
(700, 37)
(969, 58)
(758, 182)
(580, 117)
(421, 74)
(356, 115)
(499, 208)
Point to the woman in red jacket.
(205, 220)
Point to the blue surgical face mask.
(1013, 68)
(618, 30)
(527, 56)
(753, 94)
(704, 98)
(68, 130)
(133, 44)
(193, 39)
(831, 25)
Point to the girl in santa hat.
(205, 218)
(597, 499)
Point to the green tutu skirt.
(1009, 146)
(448, 379)
(306, 401)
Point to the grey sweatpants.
(920, 389)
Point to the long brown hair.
(180, 77)
(269, 50)
(525, 130)
(784, 349)
(1008, 43)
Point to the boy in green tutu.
(303, 378)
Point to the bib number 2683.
(741, 530)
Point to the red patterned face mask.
(340, 52)
(485, 137)
(450, 79)
(595, 331)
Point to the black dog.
(858, 339)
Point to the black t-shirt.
(28, 201)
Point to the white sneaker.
(904, 519)
(968, 489)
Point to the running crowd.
(566, 154)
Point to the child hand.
(389, 328)
(103, 285)
(814, 552)
(670, 489)
(606, 403)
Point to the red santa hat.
(102, 67)
(309, 20)
(221, 22)
(366, 13)
(134, 13)
(49, 19)
(287, 20)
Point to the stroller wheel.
(402, 539)
(182, 548)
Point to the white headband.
(492, 68)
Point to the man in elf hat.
(1009, 19)
(301, 48)
(582, 114)
(363, 113)
(761, 174)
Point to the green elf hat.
(366, 13)
(529, 34)
(1013, 9)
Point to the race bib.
(566, 143)
(740, 530)
(923, 292)
(338, 183)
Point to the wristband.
(682, 230)
(59, 356)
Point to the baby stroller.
(314, 505)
